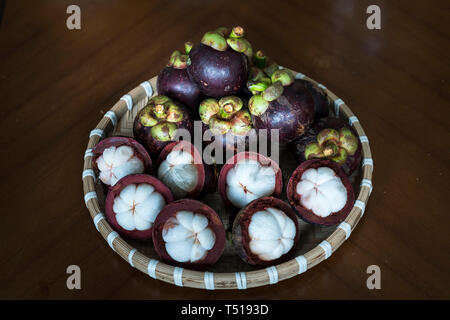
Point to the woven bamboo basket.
(316, 243)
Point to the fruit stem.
(237, 32)
(259, 59)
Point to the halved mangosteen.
(219, 64)
(117, 157)
(188, 233)
(333, 139)
(133, 204)
(174, 81)
(265, 232)
(248, 176)
(320, 192)
(181, 168)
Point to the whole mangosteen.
(281, 103)
(320, 192)
(188, 233)
(333, 139)
(265, 232)
(181, 168)
(157, 123)
(219, 64)
(248, 176)
(174, 82)
(133, 203)
(117, 157)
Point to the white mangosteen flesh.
(187, 236)
(321, 191)
(118, 162)
(179, 173)
(249, 180)
(137, 206)
(272, 234)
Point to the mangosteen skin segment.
(116, 190)
(143, 134)
(308, 215)
(139, 150)
(214, 223)
(176, 84)
(265, 161)
(218, 73)
(292, 113)
(299, 145)
(205, 174)
(240, 234)
(320, 98)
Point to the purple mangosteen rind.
(299, 145)
(320, 97)
(214, 222)
(176, 84)
(217, 73)
(240, 234)
(115, 190)
(222, 180)
(307, 214)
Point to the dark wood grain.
(55, 84)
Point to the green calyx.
(257, 105)
(225, 115)
(228, 106)
(207, 109)
(333, 144)
(188, 46)
(284, 76)
(266, 89)
(164, 131)
(221, 38)
(178, 60)
(259, 59)
(162, 115)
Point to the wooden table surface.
(56, 83)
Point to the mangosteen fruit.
(320, 192)
(117, 157)
(265, 232)
(133, 203)
(281, 103)
(333, 139)
(181, 168)
(157, 123)
(248, 176)
(174, 82)
(219, 64)
(229, 122)
(188, 233)
(320, 98)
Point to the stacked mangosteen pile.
(152, 181)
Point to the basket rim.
(221, 280)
